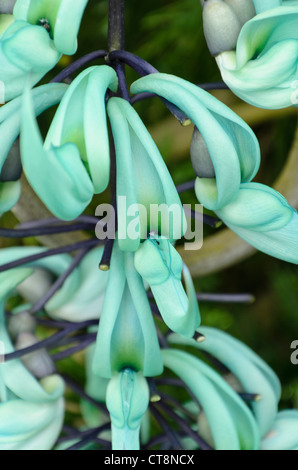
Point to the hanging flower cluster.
(95, 120)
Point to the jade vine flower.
(160, 266)
(233, 425)
(43, 97)
(257, 213)
(231, 422)
(126, 334)
(283, 435)
(235, 153)
(262, 68)
(61, 18)
(10, 123)
(76, 151)
(31, 412)
(81, 296)
(263, 218)
(253, 374)
(143, 180)
(26, 53)
(127, 401)
(33, 44)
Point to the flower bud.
(221, 26)
(200, 157)
(39, 363)
(244, 9)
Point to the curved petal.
(161, 266)
(264, 68)
(58, 175)
(25, 50)
(127, 401)
(255, 375)
(81, 119)
(266, 221)
(232, 424)
(63, 17)
(150, 184)
(10, 193)
(235, 153)
(85, 303)
(43, 97)
(126, 334)
(284, 434)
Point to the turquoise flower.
(126, 334)
(82, 294)
(225, 167)
(263, 68)
(32, 45)
(127, 401)
(31, 412)
(144, 183)
(26, 53)
(61, 18)
(234, 154)
(233, 425)
(160, 266)
(73, 163)
(252, 373)
(263, 218)
(10, 123)
(9, 195)
(283, 435)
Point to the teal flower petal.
(284, 433)
(43, 97)
(81, 296)
(263, 5)
(264, 69)
(253, 373)
(86, 302)
(231, 422)
(263, 218)
(9, 195)
(235, 152)
(127, 401)
(81, 120)
(57, 175)
(126, 334)
(26, 52)
(63, 19)
(150, 184)
(161, 266)
(32, 425)
(31, 412)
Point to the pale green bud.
(200, 157)
(221, 26)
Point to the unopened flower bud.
(244, 9)
(39, 363)
(21, 322)
(221, 26)
(12, 168)
(200, 157)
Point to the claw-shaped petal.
(235, 153)
(161, 266)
